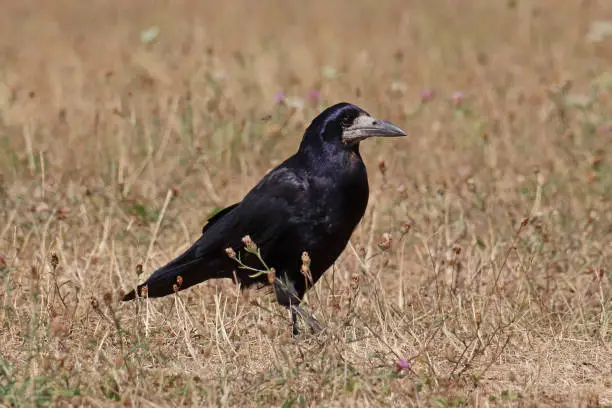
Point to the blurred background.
(76, 64)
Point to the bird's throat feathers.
(326, 156)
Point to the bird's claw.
(311, 322)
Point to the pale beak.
(367, 126)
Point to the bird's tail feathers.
(181, 273)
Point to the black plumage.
(310, 203)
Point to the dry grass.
(496, 287)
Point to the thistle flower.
(271, 276)
(604, 128)
(457, 97)
(427, 95)
(314, 95)
(279, 97)
(401, 365)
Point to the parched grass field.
(480, 275)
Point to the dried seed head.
(385, 242)
(271, 276)
(471, 185)
(231, 253)
(355, 281)
(248, 243)
(94, 303)
(54, 260)
(62, 213)
(179, 280)
(596, 162)
(175, 287)
(402, 190)
(362, 252)
(305, 258)
(406, 226)
(139, 270)
(306, 267)
(382, 166)
(144, 291)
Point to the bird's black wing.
(264, 214)
(270, 208)
(217, 216)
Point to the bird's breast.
(341, 200)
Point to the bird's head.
(348, 124)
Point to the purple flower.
(604, 128)
(427, 95)
(314, 95)
(279, 97)
(463, 171)
(402, 365)
(457, 97)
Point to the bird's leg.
(294, 328)
(312, 323)
(287, 295)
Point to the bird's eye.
(346, 121)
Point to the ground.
(480, 275)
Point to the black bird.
(310, 203)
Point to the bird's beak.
(366, 126)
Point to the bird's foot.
(311, 322)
